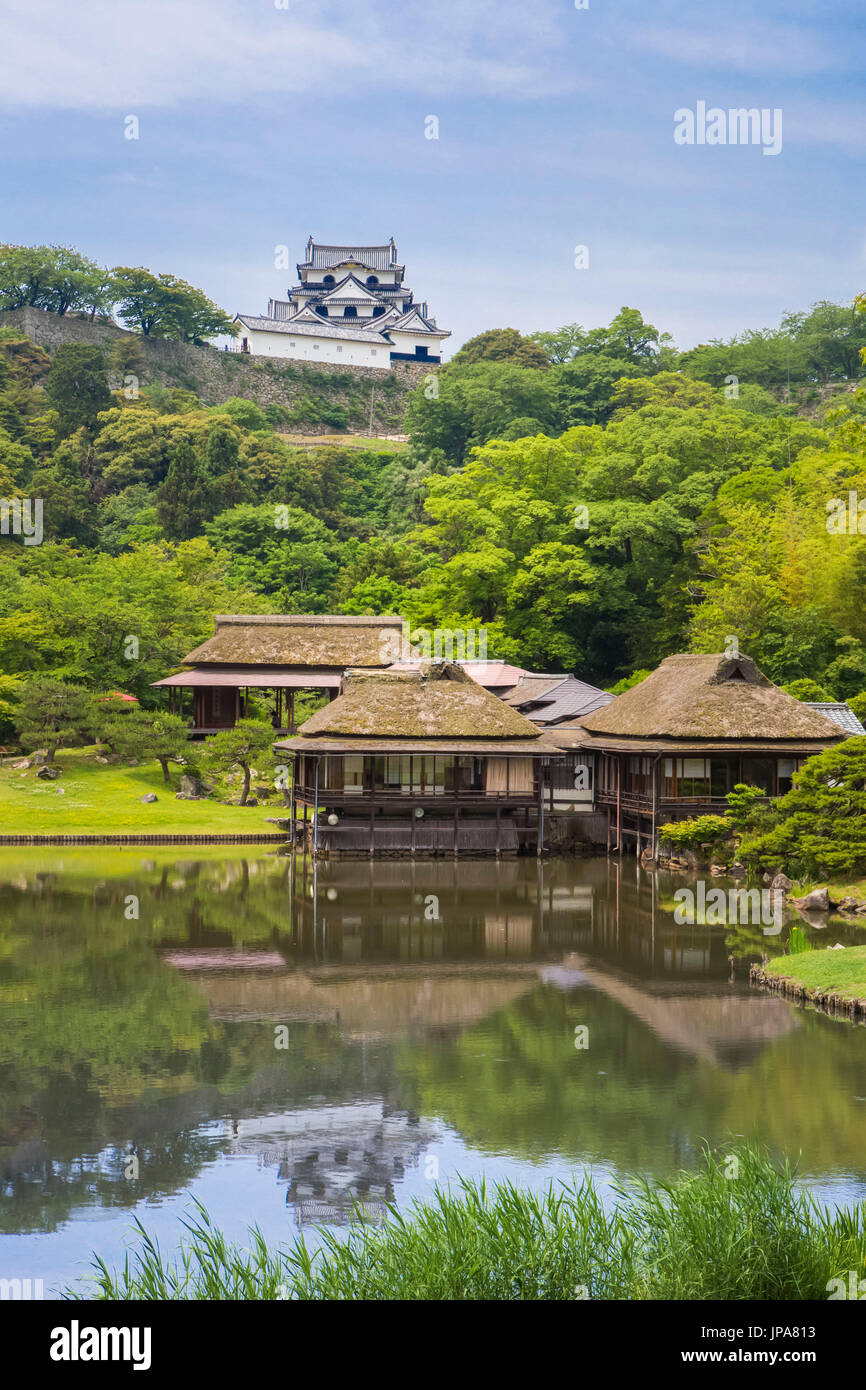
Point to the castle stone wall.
(215, 376)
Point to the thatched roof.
(277, 639)
(709, 697)
(438, 701)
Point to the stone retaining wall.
(214, 376)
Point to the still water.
(283, 1041)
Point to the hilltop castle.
(351, 307)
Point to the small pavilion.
(279, 654)
(424, 761)
(677, 743)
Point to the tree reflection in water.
(416, 996)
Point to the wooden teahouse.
(279, 654)
(677, 743)
(422, 761)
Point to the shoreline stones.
(816, 901)
(798, 993)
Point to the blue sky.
(260, 125)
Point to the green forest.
(594, 499)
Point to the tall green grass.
(739, 1228)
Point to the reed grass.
(738, 1228)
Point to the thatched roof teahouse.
(677, 743)
(281, 653)
(419, 761)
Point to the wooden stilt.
(316, 814)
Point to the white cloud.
(756, 46)
(829, 123)
(138, 54)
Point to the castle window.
(339, 349)
(329, 280)
(350, 312)
(378, 311)
(320, 309)
(372, 281)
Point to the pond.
(284, 1040)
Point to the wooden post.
(316, 813)
(656, 766)
(540, 843)
(291, 711)
(619, 803)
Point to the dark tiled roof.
(405, 322)
(840, 713)
(570, 700)
(318, 327)
(376, 257)
(531, 689)
(322, 291)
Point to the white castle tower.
(350, 307)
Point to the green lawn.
(90, 798)
(843, 972)
(376, 443)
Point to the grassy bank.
(840, 973)
(91, 798)
(377, 444)
(739, 1228)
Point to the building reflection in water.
(337, 1160)
(388, 952)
